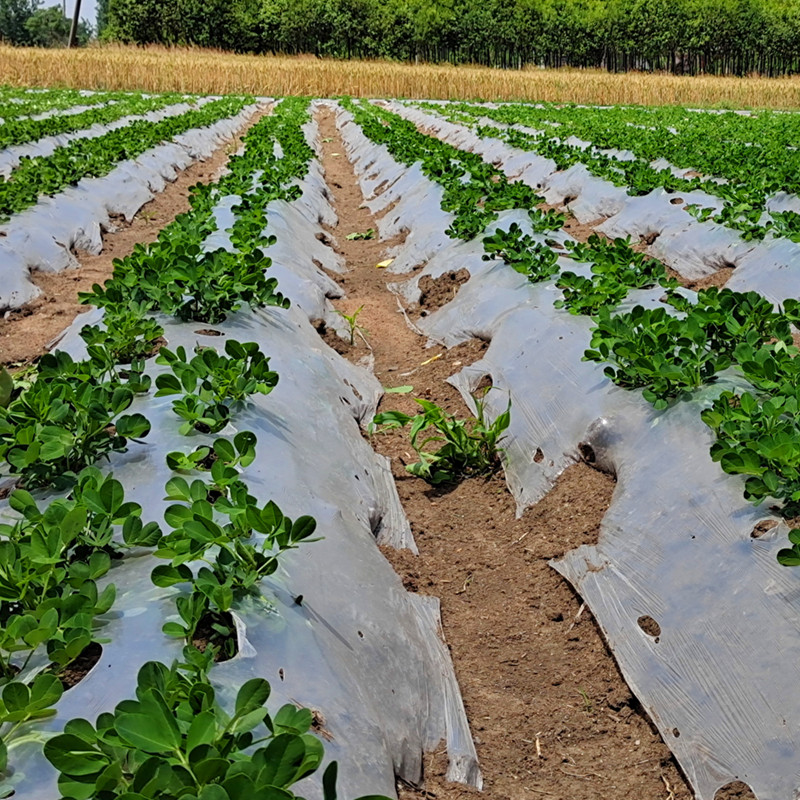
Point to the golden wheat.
(158, 69)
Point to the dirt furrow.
(549, 710)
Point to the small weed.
(368, 234)
(469, 447)
(352, 323)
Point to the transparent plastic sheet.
(42, 237)
(357, 648)
(52, 112)
(675, 545)
(67, 112)
(772, 269)
(694, 249)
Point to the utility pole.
(73, 31)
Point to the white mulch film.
(675, 544)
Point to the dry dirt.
(25, 333)
(549, 710)
(718, 279)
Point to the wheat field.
(212, 72)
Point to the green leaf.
(329, 781)
(789, 557)
(213, 792)
(73, 756)
(291, 719)
(153, 730)
(165, 575)
(398, 390)
(203, 730)
(252, 695)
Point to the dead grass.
(209, 71)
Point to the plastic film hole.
(676, 733)
(649, 626)
(538, 456)
(762, 528)
(587, 453)
(676, 201)
(736, 790)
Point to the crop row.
(46, 175)
(20, 131)
(745, 172)
(17, 103)
(174, 739)
(666, 352)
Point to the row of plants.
(47, 175)
(668, 353)
(475, 190)
(174, 739)
(19, 131)
(15, 102)
(749, 182)
(736, 147)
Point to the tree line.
(683, 36)
(23, 22)
(691, 36)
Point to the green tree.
(13, 16)
(48, 27)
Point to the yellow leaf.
(434, 358)
(384, 264)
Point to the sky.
(88, 8)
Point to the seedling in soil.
(352, 324)
(368, 234)
(65, 420)
(523, 253)
(588, 706)
(128, 335)
(234, 563)
(470, 447)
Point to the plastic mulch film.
(42, 237)
(47, 145)
(694, 249)
(675, 545)
(334, 629)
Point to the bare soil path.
(550, 713)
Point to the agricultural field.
(397, 449)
